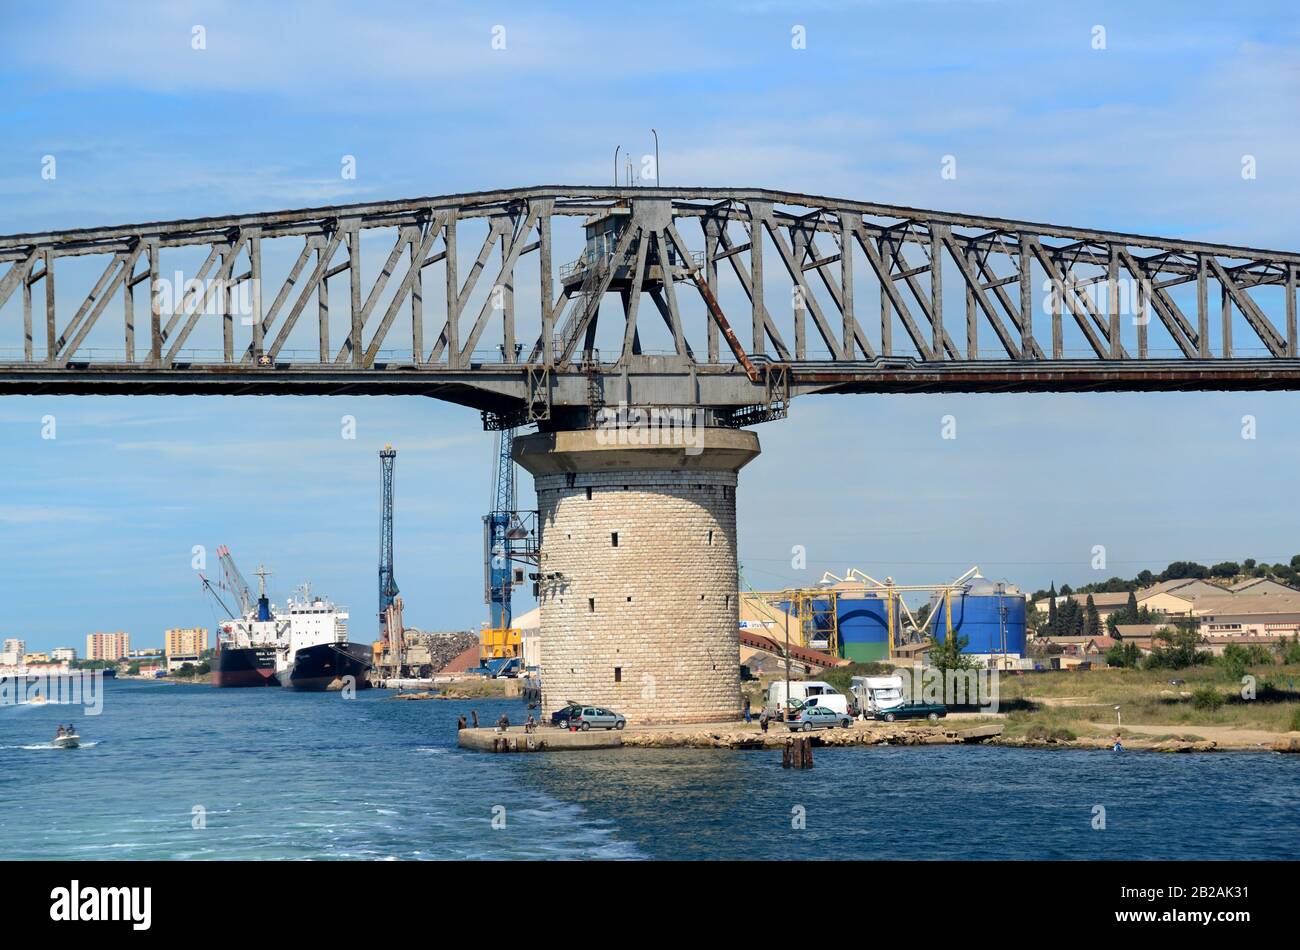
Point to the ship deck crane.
(233, 581)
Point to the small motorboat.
(67, 742)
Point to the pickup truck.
(930, 711)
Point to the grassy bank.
(1065, 704)
(1206, 696)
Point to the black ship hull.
(244, 667)
(327, 665)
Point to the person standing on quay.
(748, 718)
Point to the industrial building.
(862, 620)
(1251, 617)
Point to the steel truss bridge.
(468, 305)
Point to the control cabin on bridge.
(604, 231)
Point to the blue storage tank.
(863, 628)
(990, 616)
(862, 620)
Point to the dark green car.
(930, 711)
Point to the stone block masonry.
(639, 583)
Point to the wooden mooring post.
(797, 753)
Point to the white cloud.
(48, 514)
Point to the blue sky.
(97, 525)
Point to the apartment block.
(107, 646)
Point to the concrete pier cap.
(638, 576)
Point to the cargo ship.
(248, 646)
(316, 654)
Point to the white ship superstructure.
(316, 654)
(241, 633)
(258, 625)
(313, 620)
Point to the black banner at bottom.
(334, 899)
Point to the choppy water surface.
(276, 774)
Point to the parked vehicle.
(799, 693)
(561, 717)
(834, 700)
(930, 711)
(877, 693)
(587, 717)
(812, 716)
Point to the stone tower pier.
(638, 584)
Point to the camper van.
(877, 694)
(806, 692)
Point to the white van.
(877, 693)
(816, 692)
(831, 699)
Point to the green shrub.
(1234, 661)
(1207, 698)
(1295, 720)
(1288, 651)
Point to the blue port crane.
(497, 569)
(509, 541)
(387, 584)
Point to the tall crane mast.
(387, 584)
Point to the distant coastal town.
(185, 654)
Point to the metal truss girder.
(519, 222)
(1268, 335)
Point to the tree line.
(1288, 574)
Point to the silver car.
(600, 718)
(811, 717)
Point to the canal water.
(186, 772)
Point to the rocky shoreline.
(687, 737)
(738, 737)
